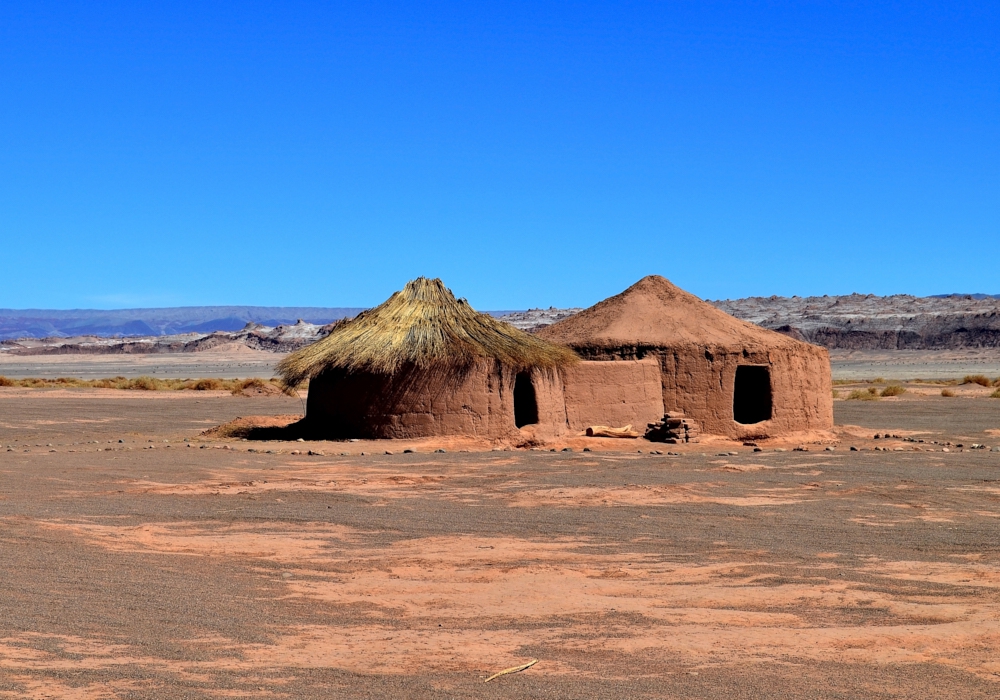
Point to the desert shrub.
(980, 379)
(859, 395)
(877, 380)
(241, 385)
(836, 394)
(4, 381)
(947, 392)
(995, 394)
(145, 384)
(205, 385)
(893, 390)
(873, 391)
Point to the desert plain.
(143, 558)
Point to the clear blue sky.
(537, 153)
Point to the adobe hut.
(426, 364)
(655, 348)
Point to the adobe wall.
(432, 403)
(701, 385)
(614, 393)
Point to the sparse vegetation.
(205, 385)
(836, 394)
(980, 379)
(947, 392)
(859, 395)
(894, 390)
(995, 394)
(4, 381)
(877, 380)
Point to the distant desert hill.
(43, 323)
(856, 321)
(851, 322)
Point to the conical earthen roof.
(655, 313)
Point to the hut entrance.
(525, 404)
(752, 394)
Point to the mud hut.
(656, 348)
(426, 364)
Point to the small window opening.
(752, 394)
(525, 404)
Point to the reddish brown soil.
(179, 571)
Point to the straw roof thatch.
(422, 326)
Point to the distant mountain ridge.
(46, 323)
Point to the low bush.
(4, 381)
(859, 395)
(836, 394)
(893, 390)
(995, 394)
(145, 384)
(205, 385)
(947, 392)
(980, 379)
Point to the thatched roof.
(422, 326)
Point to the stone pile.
(673, 429)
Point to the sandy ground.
(148, 568)
(227, 363)
(242, 363)
(914, 364)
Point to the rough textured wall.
(615, 393)
(701, 385)
(429, 403)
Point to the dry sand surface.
(914, 364)
(148, 568)
(225, 363)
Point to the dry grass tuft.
(947, 392)
(4, 381)
(206, 385)
(995, 394)
(859, 395)
(980, 379)
(422, 326)
(893, 390)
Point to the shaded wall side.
(412, 404)
(700, 384)
(613, 392)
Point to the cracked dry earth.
(218, 573)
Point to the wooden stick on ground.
(512, 669)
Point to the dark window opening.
(752, 395)
(525, 405)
